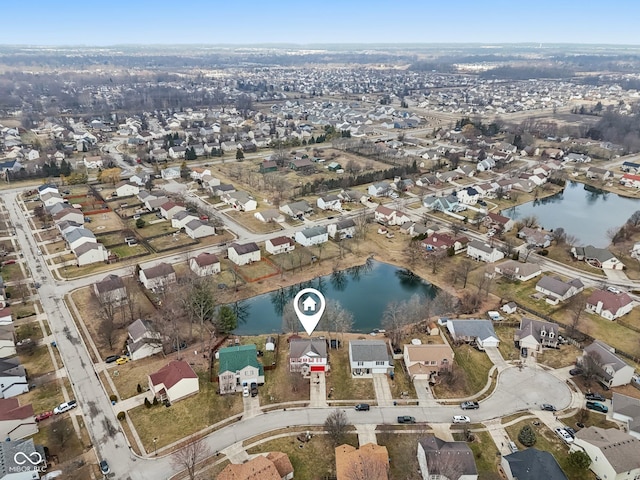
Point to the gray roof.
(314, 231)
(600, 254)
(242, 249)
(159, 270)
(606, 355)
(529, 326)
(479, 245)
(299, 347)
(109, 284)
(346, 223)
(619, 448)
(8, 451)
(11, 367)
(514, 267)
(299, 207)
(557, 286)
(472, 328)
(629, 407)
(78, 233)
(369, 351)
(534, 464)
(140, 328)
(438, 452)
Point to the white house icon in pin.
(309, 304)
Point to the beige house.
(273, 466)
(111, 290)
(7, 341)
(173, 382)
(205, 264)
(238, 366)
(425, 361)
(614, 454)
(157, 277)
(16, 421)
(242, 254)
(535, 335)
(279, 245)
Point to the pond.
(583, 211)
(364, 291)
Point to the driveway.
(383, 391)
(496, 358)
(425, 395)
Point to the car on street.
(461, 419)
(614, 290)
(104, 467)
(362, 407)
(122, 360)
(406, 419)
(245, 391)
(469, 405)
(44, 415)
(547, 407)
(65, 407)
(595, 396)
(564, 435)
(111, 358)
(576, 371)
(597, 406)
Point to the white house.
(279, 245)
(308, 355)
(297, 209)
(173, 382)
(143, 340)
(16, 421)
(68, 214)
(127, 189)
(242, 254)
(198, 229)
(435, 457)
(479, 331)
(7, 341)
(205, 264)
(484, 252)
(170, 173)
(468, 196)
(608, 304)
(89, 253)
(389, 216)
(556, 290)
(312, 235)
(269, 215)
(79, 236)
(329, 202)
(597, 257)
(613, 453)
(13, 378)
(608, 368)
(342, 229)
(380, 189)
(180, 219)
(240, 201)
(536, 335)
(516, 270)
(238, 366)
(368, 357)
(51, 198)
(158, 277)
(169, 209)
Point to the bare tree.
(530, 221)
(414, 252)
(462, 271)
(559, 236)
(575, 307)
(394, 320)
(336, 426)
(107, 327)
(435, 259)
(368, 468)
(188, 457)
(198, 302)
(446, 465)
(60, 431)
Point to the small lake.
(364, 291)
(581, 210)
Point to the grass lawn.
(11, 273)
(72, 446)
(124, 251)
(152, 229)
(252, 223)
(402, 453)
(401, 382)
(507, 347)
(315, 460)
(472, 370)
(257, 270)
(30, 330)
(549, 442)
(127, 377)
(184, 417)
(170, 241)
(562, 357)
(37, 363)
(589, 419)
(484, 451)
(277, 386)
(45, 397)
(339, 378)
(23, 310)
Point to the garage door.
(317, 368)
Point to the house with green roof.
(238, 366)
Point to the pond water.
(583, 211)
(364, 291)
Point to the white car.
(245, 391)
(65, 407)
(461, 419)
(614, 290)
(564, 435)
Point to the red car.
(9, 262)
(43, 416)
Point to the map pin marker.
(313, 303)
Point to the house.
(240, 201)
(158, 277)
(531, 464)
(297, 209)
(353, 196)
(46, 188)
(51, 198)
(170, 173)
(174, 381)
(89, 253)
(442, 460)
(388, 216)
(238, 366)
(556, 290)
(443, 241)
(5, 312)
(78, 236)
(177, 152)
(221, 188)
(126, 189)
(273, 466)
(68, 214)
(510, 308)
(630, 167)
(279, 245)
(16, 421)
(380, 189)
(268, 166)
(630, 180)
(13, 465)
(613, 453)
(111, 290)
(342, 229)
(535, 335)
(205, 264)
(180, 219)
(608, 368)
(7, 341)
(535, 236)
(370, 461)
(143, 340)
(270, 344)
(626, 409)
(198, 229)
(302, 164)
(484, 252)
(312, 235)
(270, 215)
(479, 331)
(522, 271)
(242, 254)
(369, 357)
(423, 362)
(597, 257)
(169, 209)
(13, 378)
(329, 202)
(308, 355)
(468, 196)
(597, 173)
(442, 204)
(608, 304)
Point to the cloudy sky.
(74, 22)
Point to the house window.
(360, 364)
(551, 335)
(380, 363)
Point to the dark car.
(362, 407)
(524, 352)
(598, 407)
(111, 358)
(595, 396)
(104, 467)
(406, 419)
(548, 407)
(469, 405)
(254, 389)
(575, 371)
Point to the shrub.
(155, 400)
(140, 223)
(121, 416)
(580, 460)
(527, 436)
(147, 403)
(113, 398)
(544, 252)
(139, 388)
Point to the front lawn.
(470, 374)
(484, 452)
(402, 454)
(37, 362)
(339, 379)
(45, 397)
(280, 385)
(401, 382)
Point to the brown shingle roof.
(172, 373)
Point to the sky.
(114, 22)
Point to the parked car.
(576, 371)
(469, 405)
(254, 389)
(461, 419)
(362, 407)
(245, 391)
(406, 419)
(564, 435)
(614, 290)
(104, 467)
(595, 396)
(65, 407)
(44, 415)
(513, 448)
(122, 360)
(524, 352)
(598, 407)
(570, 431)
(547, 407)
(111, 358)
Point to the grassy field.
(507, 347)
(257, 270)
(170, 240)
(251, 223)
(339, 378)
(562, 357)
(184, 417)
(127, 377)
(152, 229)
(37, 363)
(72, 446)
(278, 386)
(472, 374)
(401, 382)
(484, 452)
(402, 452)
(125, 251)
(45, 397)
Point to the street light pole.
(155, 448)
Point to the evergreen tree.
(239, 154)
(527, 436)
